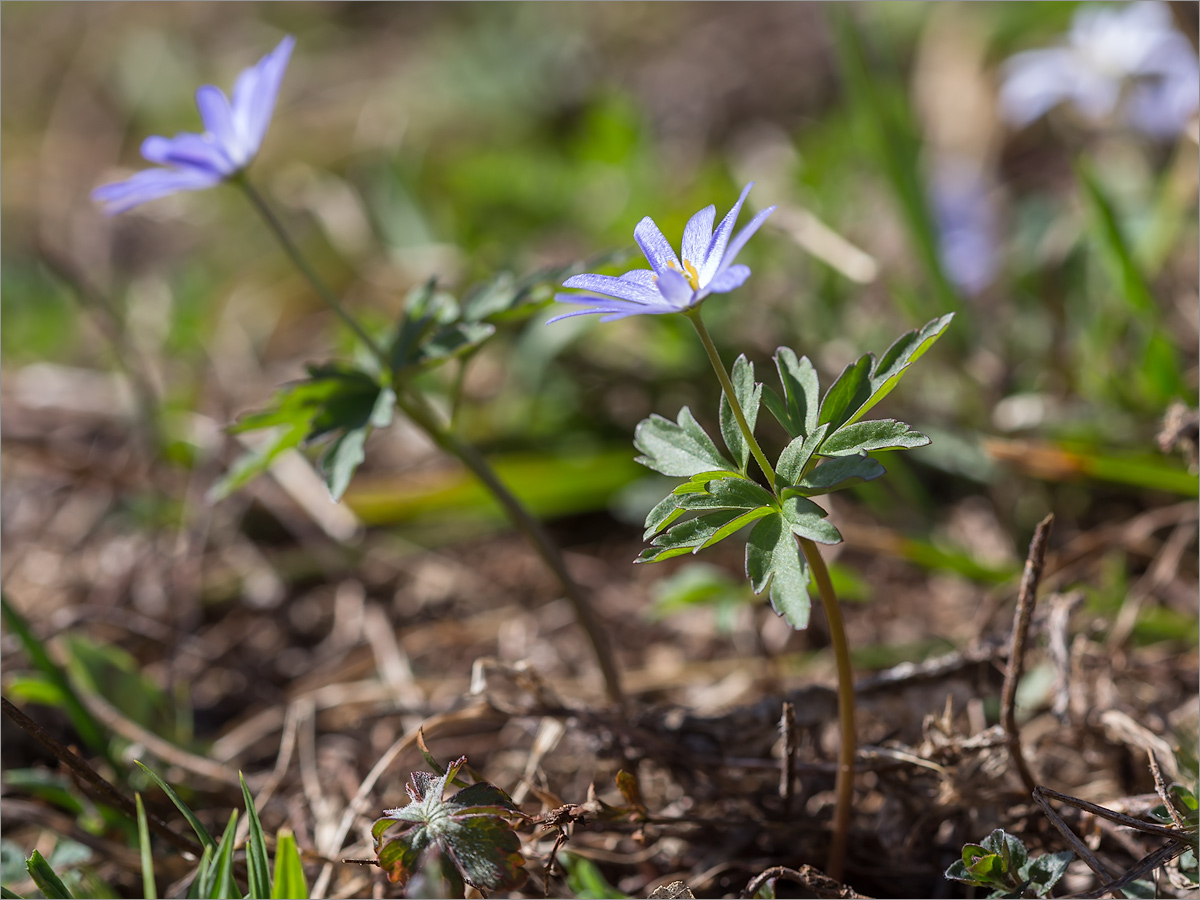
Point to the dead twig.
(1026, 601)
(787, 761)
(816, 883)
(100, 788)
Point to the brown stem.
(1026, 601)
(844, 785)
(100, 788)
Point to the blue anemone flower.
(669, 285)
(234, 131)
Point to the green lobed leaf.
(149, 888)
(425, 309)
(735, 525)
(796, 456)
(470, 827)
(903, 352)
(1043, 872)
(727, 493)
(206, 839)
(848, 393)
(872, 434)
(688, 536)
(807, 520)
(773, 560)
(678, 449)
(749, 395)
(257, 867)
(836, 474)
(46, 878)
(290, 883)
(664, 513)
(797, 410)
(336, 401)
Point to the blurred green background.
(459, 140)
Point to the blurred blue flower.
(1106, 48)
(966, 217)
(669, 285)
(234, 131)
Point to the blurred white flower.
(1106, 49)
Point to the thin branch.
(101, 789)
(1026, 601)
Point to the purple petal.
(218, 121)
(676, 289)
(255, 93)
(623, 288)
(1034, 82)
(656, 247)
(697, 234)
(728, 279)
(735, 247)
(187, 151)
(609, 307)
(641, 276)
(151, 184)
(716, 247)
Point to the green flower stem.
(419, 412)
(731, 395)
(841, 648)
(845, 677)
(268, 215)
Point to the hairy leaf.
(797, 410)
(687, 536)
(836, 474)
(905, 351)
(773, 560)
(470, 828)
(847, 395)
(807, 520)
(679, 449)
(796, 456)
(873, 434)
(727, 493)
(748, 396)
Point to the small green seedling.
(1001, 862)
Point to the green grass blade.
(201, 832)
(290, 883)
(202, 883)
(6, 894)
(45, 878)
(223, 885)
(256, 850)
(148, 885)
(90, 731)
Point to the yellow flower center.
(689, 272)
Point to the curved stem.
(419, 412)
(268, 215)
(731, 395)
(845, 677)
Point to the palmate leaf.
(796, 455)
(680, 448)
(836, 474)
(796, 411)
(693, 535)
(470, 828)
(773, 561)
(337, 401)
(748, 396)
(872, 434)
